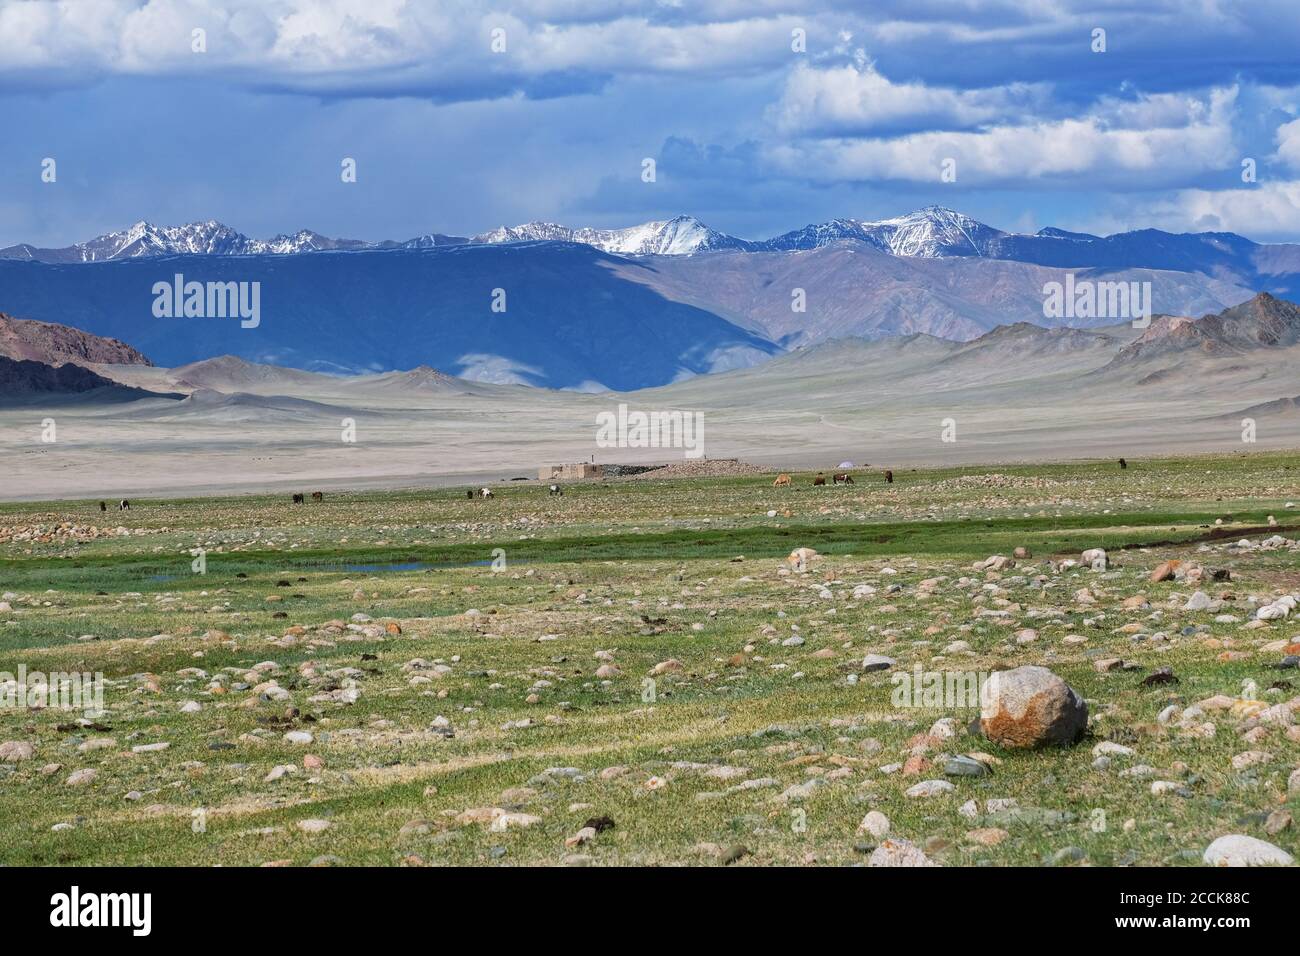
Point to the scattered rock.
(1030, 707)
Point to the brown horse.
(782, 481)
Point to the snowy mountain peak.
(681, 235)
(929, 232)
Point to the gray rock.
(964, 767)
(898, 852)
(1237, 849)
(930, 788)
(12, 751)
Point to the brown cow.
(819, 480)
(845, 478)
(103, 506)
(1123, 463)
(317, 496)
(299, 499)
(469, 493)
(782, 481)
(889, 477)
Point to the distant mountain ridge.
(569, 320)
(930, 232)
(145, 240)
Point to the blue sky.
(750, 135)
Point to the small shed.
(570, 471)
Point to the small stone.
(1250, 758)
(507, 820)
(898, 852)
(1277, 821)
(930, 788)
(12, 751)
(964, 766)
(875, 823)
(987, 836)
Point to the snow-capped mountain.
(933, 232)
(930, 233)
(145, 240)
(681, 236)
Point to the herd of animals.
(783, 480)
(839, 478)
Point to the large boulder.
(1031, 707)
(1237, 849)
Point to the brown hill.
(55, 344)
(1261, 322)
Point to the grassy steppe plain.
(489, 698)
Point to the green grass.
(652, 571)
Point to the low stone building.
(570, 471)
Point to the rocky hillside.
(24, 377)
(1261, 322)
(55, 344)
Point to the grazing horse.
(557, 490)
(486, 492)
(819, 480)
(782, 481)
(317, 496)
(889, 477)
(124, 505)
(845, 478)
(299, 499)
(1123, 463)
(103, 506)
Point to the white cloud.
(1269, 209)
(363, 45)
(850, 98)
(1288, 144)
(1088, 146)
